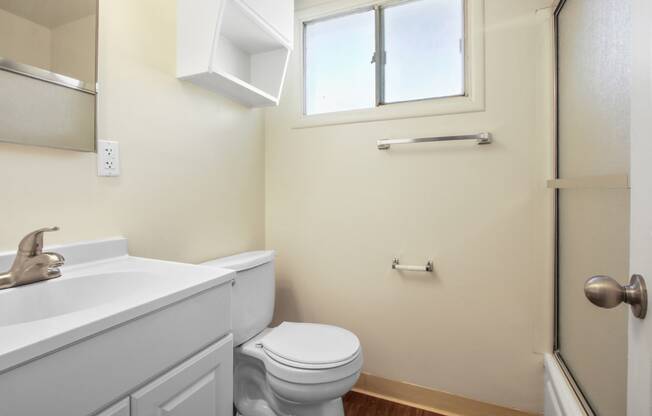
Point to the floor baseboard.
(426, 399)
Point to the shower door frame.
(558, 5)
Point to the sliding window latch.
(374, 58)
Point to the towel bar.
(480, 138)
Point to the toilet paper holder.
(396, 265)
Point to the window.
(422, 44)
(339, 75)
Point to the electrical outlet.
(108, 158)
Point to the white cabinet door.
(277, 13)
(201, 386)
(118, 409)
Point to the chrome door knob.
(605, 292)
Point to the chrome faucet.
(32, 264)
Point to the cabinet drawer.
(200, 386)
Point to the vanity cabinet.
(202, 385)
(238, 48)
(118, 335)
(132, 362)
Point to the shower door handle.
(606, 292)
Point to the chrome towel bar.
(481, 138)
(429, 267)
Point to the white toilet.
(295, 369)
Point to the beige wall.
(338, 211)
(24, 41)
(192, 184)
(73, 49)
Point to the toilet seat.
(307, 353)
(304, 366)
(310, 346)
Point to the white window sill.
(422, 108)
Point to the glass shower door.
(593, 51)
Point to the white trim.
(559, 397)
(639, 359)
(473, 101)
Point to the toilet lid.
(311, 346)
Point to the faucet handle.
(32, 243)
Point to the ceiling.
(50, 13)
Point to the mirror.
(48, 72)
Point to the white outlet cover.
(108, 158)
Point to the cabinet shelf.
(235, 88)
(238, 53)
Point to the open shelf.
(248, 59)
(235, 88)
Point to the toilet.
(294, 369)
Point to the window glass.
(338, 69)
(424, 50)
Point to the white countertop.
(42, 317)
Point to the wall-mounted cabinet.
(239, 48)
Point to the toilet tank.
(253, 292)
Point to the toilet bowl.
(294, 369)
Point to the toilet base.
(254, 396)
(332, 408)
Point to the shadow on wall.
(286, 302)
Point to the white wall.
(338, 211)
(192, 184)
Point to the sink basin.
(101, 287)
(52, 298)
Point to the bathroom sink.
(101, 287)
(53, 298)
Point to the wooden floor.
(356, 404)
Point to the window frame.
(473, 48)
